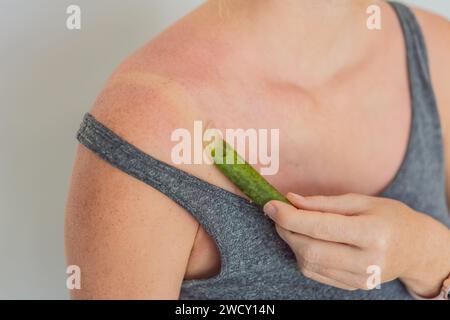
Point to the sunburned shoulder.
(145, 106)
(156, 89)
(168, 85)
(144, 102)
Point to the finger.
(348, 204)
(321, 254)
(327, 281)
(318, 225)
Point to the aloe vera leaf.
(244, 176)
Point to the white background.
(49, 77)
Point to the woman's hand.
(335, 239)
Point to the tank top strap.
(424, 159)
(415, 46)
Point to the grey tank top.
(255, 262)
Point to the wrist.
(430, 263)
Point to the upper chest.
(348, 137)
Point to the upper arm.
(437, 36)
(129, 240)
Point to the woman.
(363, 117)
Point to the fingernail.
(270, 209)
(296, 196)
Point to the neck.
(315, 36)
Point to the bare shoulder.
(144, 108)
(167, 85)
(157, 89)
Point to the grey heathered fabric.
(256, 264)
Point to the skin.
(226, 64)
